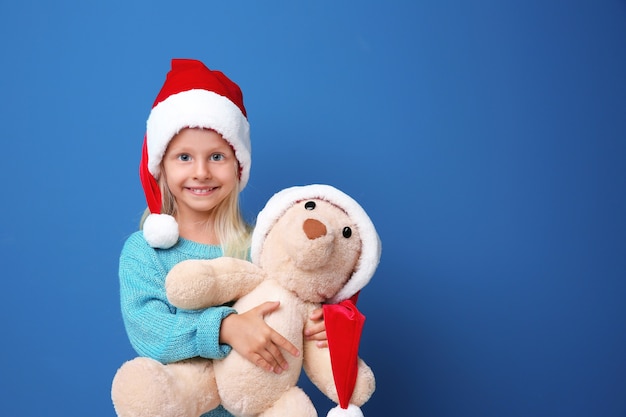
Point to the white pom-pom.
(351, 411)
(160, 231)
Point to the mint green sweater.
(156, 328)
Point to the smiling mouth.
(201, 191)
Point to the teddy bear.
(312, 246)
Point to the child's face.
(201, 170)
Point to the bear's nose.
(314, 228)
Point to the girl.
(196, 160)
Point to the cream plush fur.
(302, 260)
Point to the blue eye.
(184, 157)
(217, 157)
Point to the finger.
(277, 359)
(317, 336)
(274, 359)
(262, 363)
(313, 329)
(317, 314)
(280, 341)
(267, 307)
(322, 344)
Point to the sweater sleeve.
(156, 328)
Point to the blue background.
(486, 139)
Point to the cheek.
(169, 170)
(227, 173)
(171, 176)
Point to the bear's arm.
(316, 364)
(201, 283)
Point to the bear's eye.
(309, 205)
(347, 232)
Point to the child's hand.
(317, 330)
(252, 338)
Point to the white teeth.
(200, 190)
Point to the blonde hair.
(231, 229)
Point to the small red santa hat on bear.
(196, 97)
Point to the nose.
(202, 170)
(314, 228)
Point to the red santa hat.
(192, 96)
(343, 320)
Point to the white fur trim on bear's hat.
(371, 247)
(351, 411)
(193, 96)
